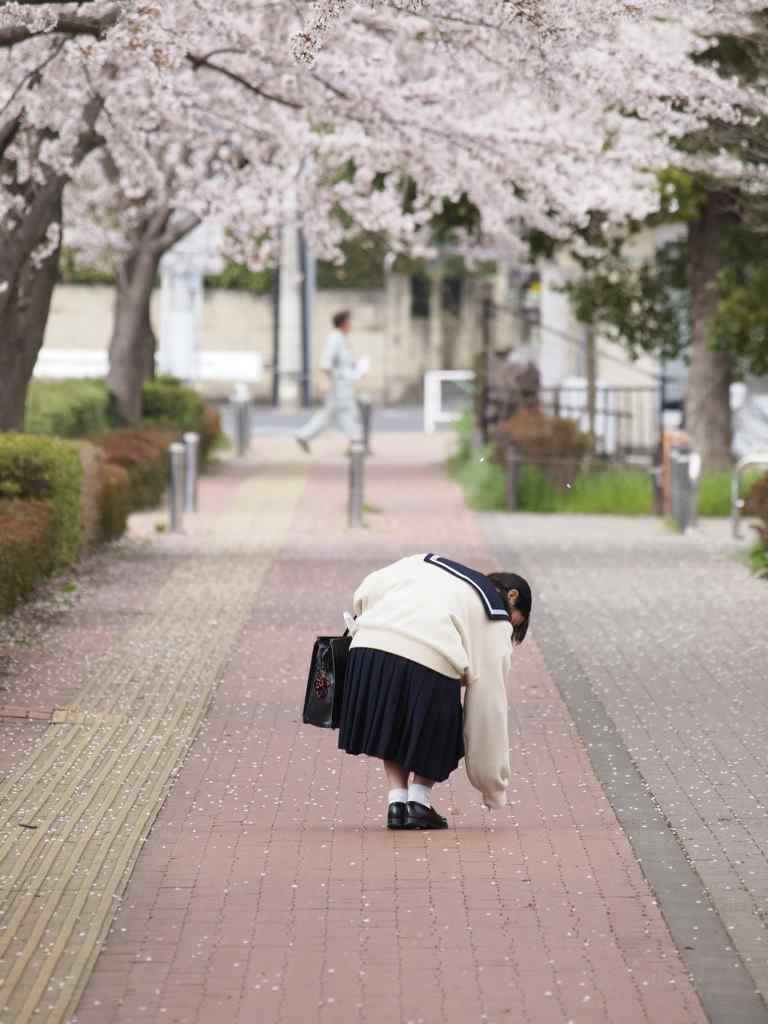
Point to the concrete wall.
(397, 344)
(561, 338)
(81, 318)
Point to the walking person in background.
(341, 370)
(427, 628)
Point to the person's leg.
(316, 424)
(420, 790)
(397, 798)
(348, 418)
(397, 777)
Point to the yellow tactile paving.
(75, 814)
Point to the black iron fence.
(627, 420)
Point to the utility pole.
(290, 317)
(307, 270)
(482, 382)
(276, 336)
(591, 373)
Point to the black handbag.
(325, 683)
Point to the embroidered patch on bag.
(322, 685)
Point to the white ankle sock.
(420, 794)
(398, 796)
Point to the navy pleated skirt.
(401, 711)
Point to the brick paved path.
(268, 889)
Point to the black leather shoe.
(419, 816)
(396, 815)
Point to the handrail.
(737, 502)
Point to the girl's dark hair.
(506, 581)
(339, 319)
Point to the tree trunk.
(132, 346)
(26, 282)
(24, 308)
(707, 404)
(133, 343)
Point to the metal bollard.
(686, 470)
(241, 416)
(674, 482)
(694, 474)
(366, 409)
(240, 406)
(176, 486)
(191, 450)
(356, 464)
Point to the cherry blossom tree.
(59, 74)
(371, 116)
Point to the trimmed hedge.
(28, 548)
(41, 469)
(115, 502)
(168, 401)
(210, 430)
(66, 408)
(58, 497)
(79, 409)
(143, 453)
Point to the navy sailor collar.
(494, 604)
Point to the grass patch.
(627, 492)
(715, 492)
(535, 491)
(484, 482)
(619, 492)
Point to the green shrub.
(143, 453)
(81, 409)
(115, 501)
(43, 468)
(757, 505)
(556, 445)
(211, 434)
(167, 400)
(758, 556)
(93, 461)
(66, 408)
(28, 548)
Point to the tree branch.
(68, 24)
(203, 62)
(8, 133)
(176, 232)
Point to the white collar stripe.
(455, 570)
